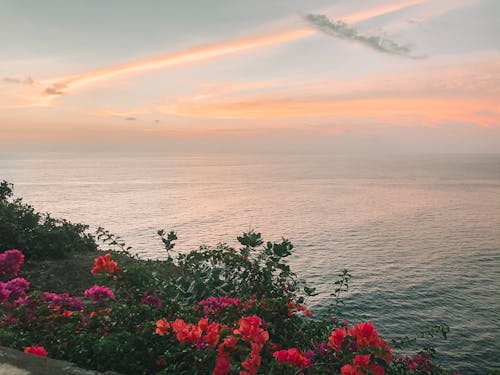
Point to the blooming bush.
(213, 311)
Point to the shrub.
(194, 314)
(39, 235)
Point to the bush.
(211, 311)
(40, 236)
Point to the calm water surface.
(420, 234)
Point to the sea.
(420, 234)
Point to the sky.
(277, 75)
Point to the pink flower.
(13, 289)
(36, 350)
(218, 305)
(10, 261)
(99, 293)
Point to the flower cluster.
(363, 341)
(104, 264)
(292, 356)
(203, 334)
(208, 335)
(293, 307)
(36, 350)
(99, 293)
(63, 300)
(216, 306)
(419, 363)
(13, 289)
(10, 261)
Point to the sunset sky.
(311, 75)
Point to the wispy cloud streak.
(342, 30)
(64, 86)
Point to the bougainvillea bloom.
(63, 300)
(162, 326)
(99, 293)
(251, 331)
(104, 264)
(292, 356)
(186, 332)
(10, 261)
(337, 338)
(13, 289)
(350, 370)
(218, 305)
(365, 334)
(36, 350)
(222, 365)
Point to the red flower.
(365, 334)
(337, 338)
(36, 350)
(104, 264)
(162, 326)
(292, 356)
(350, 370)
(186, 332)
(222, 365)
(250, 330)
(362, 360)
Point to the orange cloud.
(428, 110)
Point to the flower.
(104, 264)
(186, 332)
(148, 299)
(99, 293)
(292, 356)
(13, 289)
(222, 365)
(162, 326)
(350, 370)
(10, 261)
(217, 305)
(365, 334)
(250, 330)
(337, 338)
(36, 350)
(63, 300)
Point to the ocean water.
(419, 234)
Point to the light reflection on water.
(421, 235)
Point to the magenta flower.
(217, 305)
(99, 293)
(13, 289)
(10, 261)
(63, 300)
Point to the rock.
(15, 362)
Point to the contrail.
(64, 86)
(55, 88)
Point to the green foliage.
(39, 235)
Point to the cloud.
(23, 81)
(130, 118)
(342, 30)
